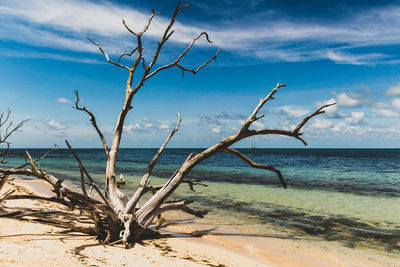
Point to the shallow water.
(347, 195)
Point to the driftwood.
(112, 216)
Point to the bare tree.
(111, 215)
(6, 130)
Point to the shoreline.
(215, 245)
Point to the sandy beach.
(192, 243)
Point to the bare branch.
(99, 192)
(193, 182)
(8, 131)
(4, 120)
(306, 119)
(296, 131)
(92, 119)
(253, 117)
(107, 58)
(176, 62)
(80, 168)
(146, 27)
(194, 71)
(257, 165)
(39, 159)
(145, 179)
(129, 29)
(126, 54)
(32, 163)
(139, 48)
(84, 171)
(167, 34)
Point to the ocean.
(347, 195)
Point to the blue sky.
(326, 51)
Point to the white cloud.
(347, 58)
(55, 124)
(258, 125)
(345, 100)
(393, 90)
(343, 128)
(132, 128)
(63, 100)
(331, 111)
(396, 103)
(356, 117)
(294, 111)
(164, 127)
(146, 126)
(216, 129)
(381, 105)
(321, 124)
(384, 112)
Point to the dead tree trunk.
(112, 216)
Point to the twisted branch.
(106, 55)
(253, 117)
(176, 62)
(257, 165)
(92, 119)
(126, 54)
(296, 131)
(84, 171)
(39, 159)
(9, 130)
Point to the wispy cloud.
(64, 25)
(53, 124)
(63, 100)
(53, 56)
(347, 58)
(393, 90)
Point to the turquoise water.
(346, 195)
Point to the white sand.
(25, 243)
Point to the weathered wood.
(3, 180)
(145, 179)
